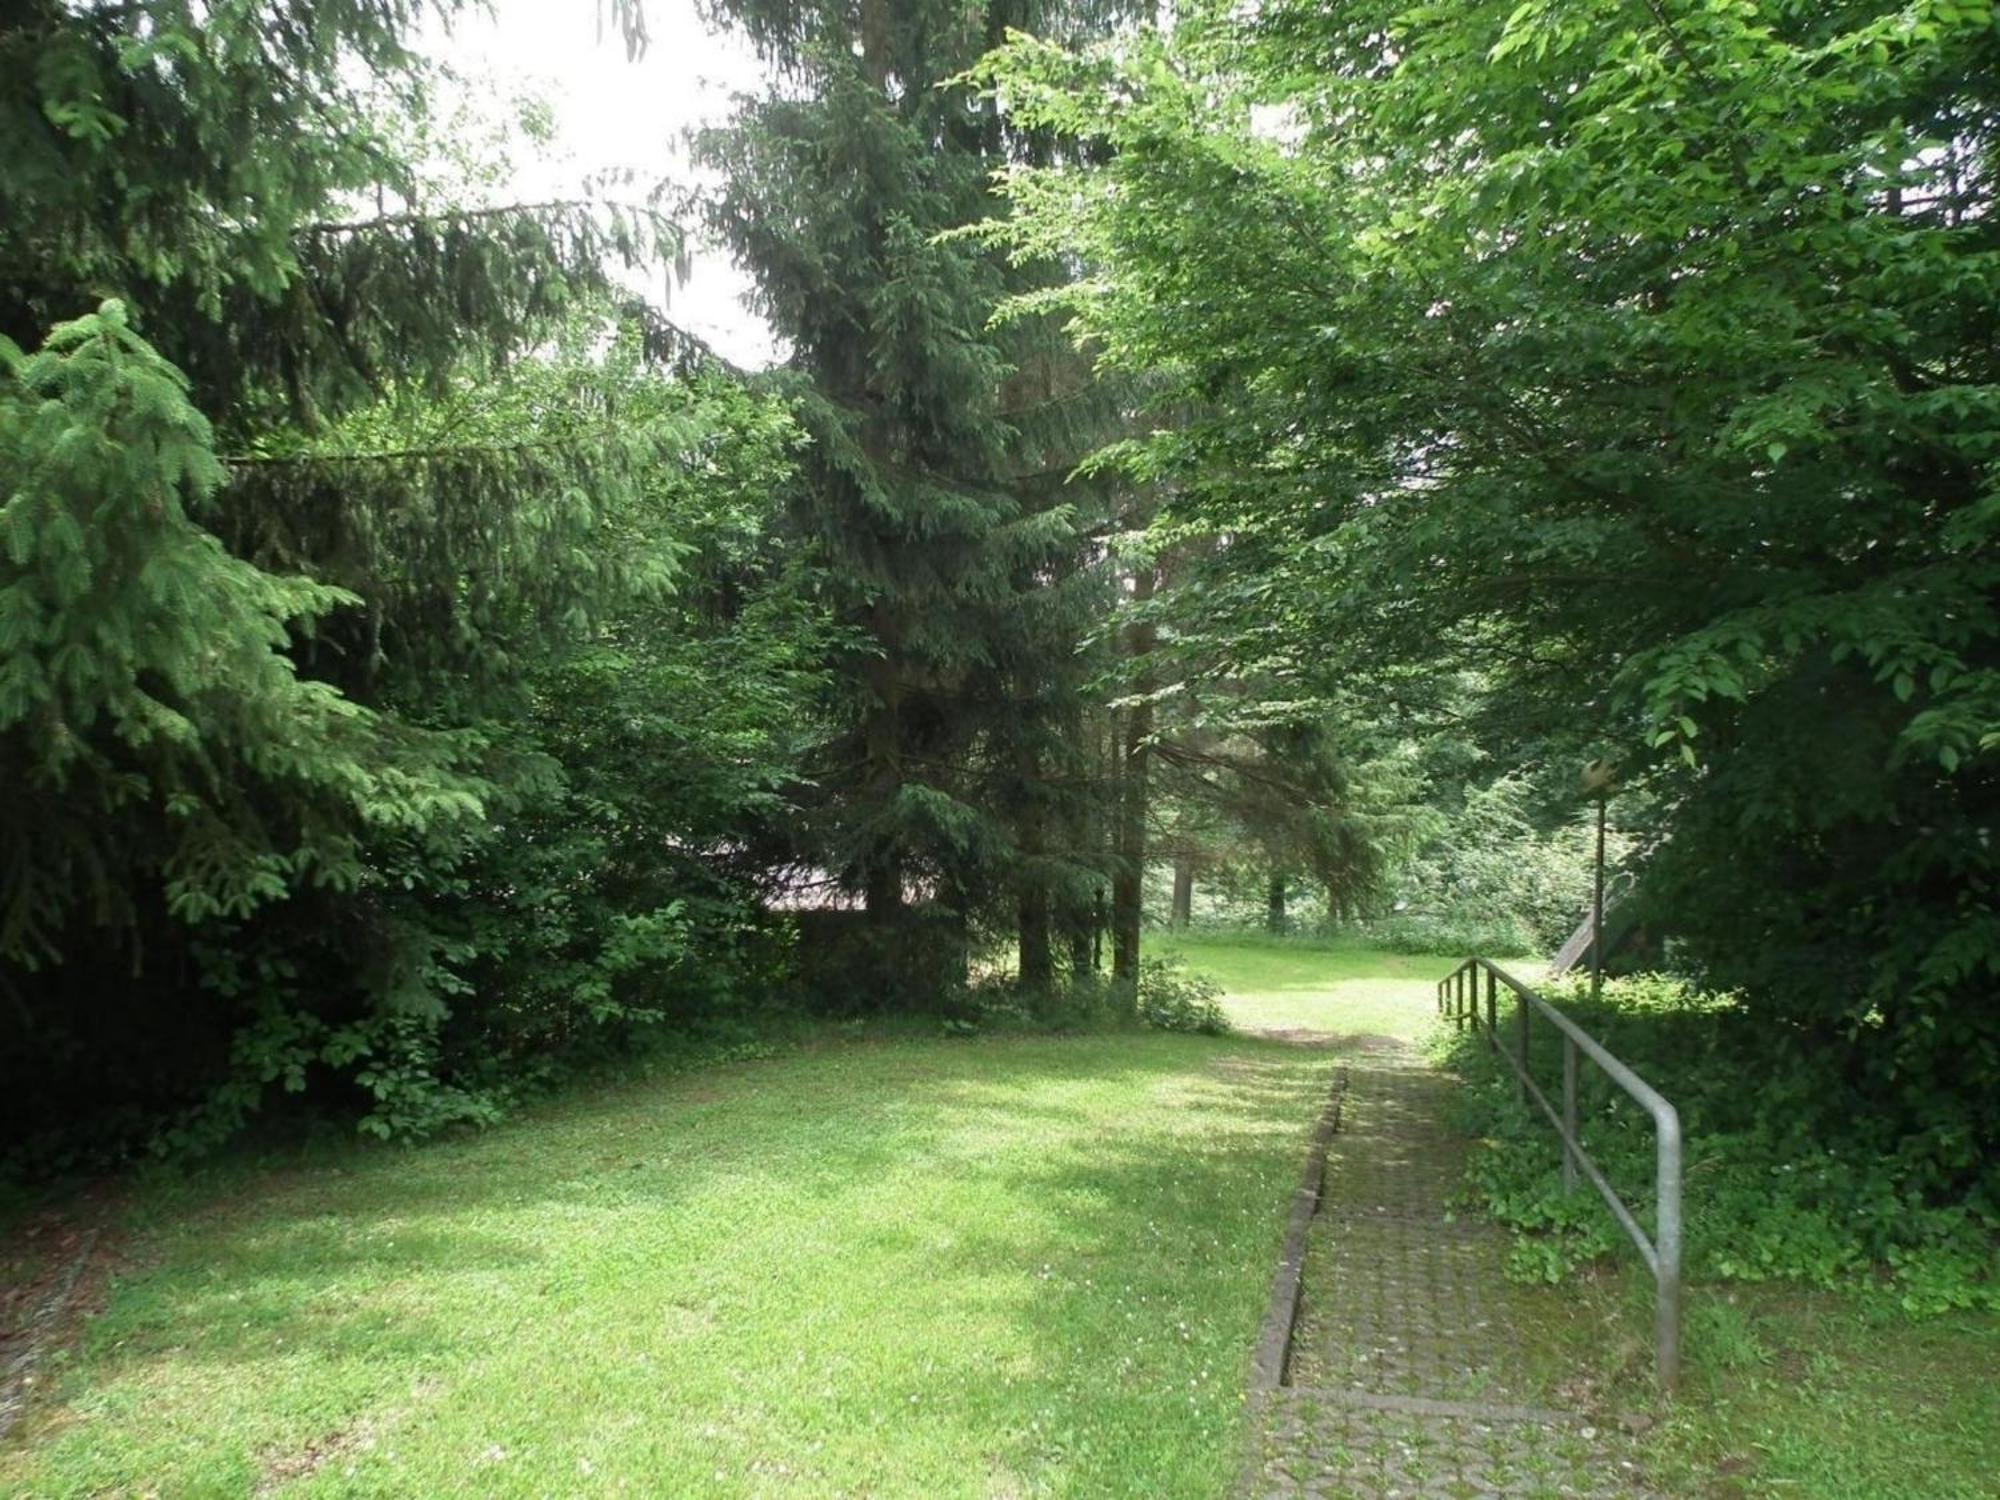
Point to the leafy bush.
(1000, 1002)
(849, 965)
(1499, 868)
(1787, 1176)
(1168, 999)
(1450, 936)
(1171, 999)
(993, 1004)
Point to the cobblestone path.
(1404, 1378)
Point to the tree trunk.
(882, 888)
(1183, 889)
(882, 896)
(1128, 880)
(876, 25)
(1038, 961)
(1275, 911)
(1037, 965)
(1079, 931)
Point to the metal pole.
(1667, 1250)
(1597, 913)
(1521, 1048)
(1569, 1114)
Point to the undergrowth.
(1167, 998)
(1443, 936)
(1788, 1175)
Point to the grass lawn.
(1275, 985)
(1006, 1267)
(1790, 1391)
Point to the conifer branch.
(413, 454)
(412, 217)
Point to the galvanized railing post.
(1667, 1252)
(1569, 1114)
(1521, 1048)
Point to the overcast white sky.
(613, 113)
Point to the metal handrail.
(1458, 998)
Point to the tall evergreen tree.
(933, 484)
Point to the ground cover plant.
(1786, 1178)
(1843, 1314)
(1787, 1390)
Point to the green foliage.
(1448, 935)
(1495, 870)
(1638, 359)
(851, 967)
(1787, 1177)
(393, 641)
(1003, 1003)
(1168, 998)
(933, 489)
(1171, 999)
(205, 163)
(148, 706)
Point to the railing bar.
(1662, 1255)
(1624, 1077)
(1634, 1230)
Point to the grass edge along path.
(1008, 1267)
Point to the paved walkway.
(1404, 1379)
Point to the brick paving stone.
(1404, 1378)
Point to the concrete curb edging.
(1274, 1336)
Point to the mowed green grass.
(1281, 986)
(1003, 1267)
(1789, 1391)
(1011, 1267)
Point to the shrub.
(1449, 936)
(849, 965)
(1171, 999)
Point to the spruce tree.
(934, 483)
